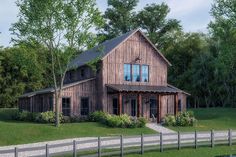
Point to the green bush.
(47, 117)
(182, 119)
(117, 121)
(24, 116)
(169, 120)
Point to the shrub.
(182, 119)
(24, 116)
(98, 116)
(118, 121)
(169, 120)
(47, 117)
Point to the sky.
(193, 14)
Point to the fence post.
(179, 146)
(161, 142)
(16, 152)
(99, 146)
(142, 144)
(121, 146)
(212, 138)
(74, 148)
(47, 151)
(195, 139)
(230, 137)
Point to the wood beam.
(159, 108)
(120, 103)
(139, 104)
(176, 104)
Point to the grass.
(212, 118)
(200, 152)
(16, 132)
(217, 151)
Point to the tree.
(153, 20)
(63, 27)
(223, 32)
(20, 70)
(120, 17)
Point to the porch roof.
(142, 88)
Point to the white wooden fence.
(120, 145)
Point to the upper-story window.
(136, 72)
(134, 75)
(145, 73)
(127, 72)
(82, 73)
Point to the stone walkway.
(159, 128)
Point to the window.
(82, 73)
(66, 106)
(179, 105)
(133, 107)
(115, 106)
(145, 73)
(136, 72)
(84, 111)
(127, 72)
(50, 103)
(41, 104)
(153, 108)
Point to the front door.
(133, 108)
(153, 108)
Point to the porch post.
(159, 108)
(176, 103)
(120, 103)
(139, 104)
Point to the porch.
(143, 101)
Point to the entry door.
(153, 108)
(133, 107)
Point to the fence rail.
(120, 145)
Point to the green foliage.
(117, 121)
(24, 116)
(183, 119)
(169, 120)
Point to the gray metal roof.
(142, 88)
(99, 51)
(51, 90)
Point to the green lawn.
(15, 132)
(200, 152)
(212, 118)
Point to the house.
(131, 78)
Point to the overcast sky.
(193, 14)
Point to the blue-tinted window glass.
(127, 72)
(145, 73)
(136, 72)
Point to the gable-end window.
(145, 73)
(66, 106)
(136, 73)
(84, 111)
(127, 72)
(82, 74)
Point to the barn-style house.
(131, 78)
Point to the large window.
(50, 103)
(153, 108)
(66, 106)
(84, 111)
(115, 106)
(179, 105)
(136, 72)
(127, 72)
(145, 73)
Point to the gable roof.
(51, 89)
(103, 49)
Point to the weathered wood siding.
(135, 46)
(75, 93)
